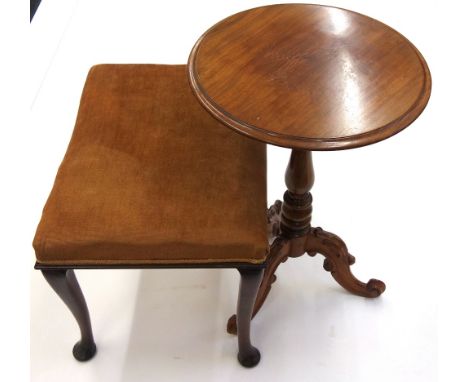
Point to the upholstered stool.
(151, 180)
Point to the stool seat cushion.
(149, 177)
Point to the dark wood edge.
(245, 266)
(298, 142)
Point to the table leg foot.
(337, 262)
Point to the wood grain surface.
(309, 77)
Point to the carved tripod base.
(337, 261)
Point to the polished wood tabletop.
(309, 76)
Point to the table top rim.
(310, 143)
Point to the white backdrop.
(400, 205)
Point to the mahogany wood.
(296, 210)
(65, 284)
(337, 262)
(296, 237)
(248, 355)
(309, 76)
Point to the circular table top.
(309, 76)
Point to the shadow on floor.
(178, 325)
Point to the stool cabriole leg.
(248, 355)
(65, 284)
(279, 253)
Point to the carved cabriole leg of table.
(296, 236)
(295, 220)
(337, 262)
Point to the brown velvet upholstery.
(150, 177)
